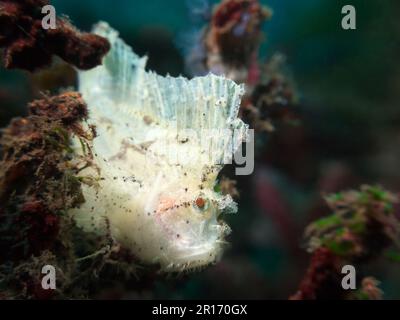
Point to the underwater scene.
(199, 149)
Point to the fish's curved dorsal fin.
(123, 90)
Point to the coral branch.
(28, 46)
(362, 226)
(234, 36)
(322, 279)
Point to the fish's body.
(161, 142)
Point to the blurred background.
(349, 88)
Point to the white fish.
(165, 212)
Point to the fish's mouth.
(195, 254)
(194, 241)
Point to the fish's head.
(193, 230)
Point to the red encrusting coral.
(44, 225)
(67, 108)
(37, 182)
(322, 279)
(27, 45)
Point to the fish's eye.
(201, 204)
